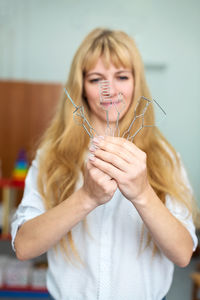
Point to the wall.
(38, 39)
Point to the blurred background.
(37, 42)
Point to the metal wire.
(105, 98)
(80, 119)
(127, 135)
(104, 92)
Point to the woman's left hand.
(124, 162)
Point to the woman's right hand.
(98, 186)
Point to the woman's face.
(120, 80)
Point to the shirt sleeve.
(180, 211)
(31, 205)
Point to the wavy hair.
(64, 144)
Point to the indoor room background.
(38, 40)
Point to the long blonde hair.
(64, 143)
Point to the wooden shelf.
(9, 187)
(11, 183)
(19, 292)
(5, 237)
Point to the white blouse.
(114, 267)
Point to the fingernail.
(93, 148)
(97, 139)
(91, 157)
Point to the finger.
(113, 149)
(120, 162)
(120, 145)
(109, 151)
(96, 172)
(129, 146)
(88, 163)
(107, 168)
(117, 151)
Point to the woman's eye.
(123, 77)
(94, 80)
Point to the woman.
(113, 222)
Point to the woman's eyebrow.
(94, 73)
(123, 71)
(100, 74)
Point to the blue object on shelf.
(24, 294)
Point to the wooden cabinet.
(26, 109)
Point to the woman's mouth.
(109, 103)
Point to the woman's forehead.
(101, 67)
(107, 62)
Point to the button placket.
(104, 255)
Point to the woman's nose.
(113, 88)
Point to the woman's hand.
(98, 186)
(124, 162)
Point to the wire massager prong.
(79, 117)
(127, 134)
(106, 102)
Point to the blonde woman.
(114, 216)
